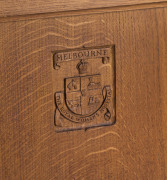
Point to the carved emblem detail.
(82, 67)
(85, 99)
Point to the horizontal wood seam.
(84, 12)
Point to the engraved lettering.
(80, 54)
(105, 52)
(75, 55)
(65, 56)
(59, 57)
(84, 54)
(99, 52)
(84, 94)
(92, 53)
(70, 56)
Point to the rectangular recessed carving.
(84, 88)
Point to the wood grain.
(22, 7)
(134, 148)
(162, 24)
(36, 16)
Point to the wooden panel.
(133, 148)
(162, 24)
(22, 7)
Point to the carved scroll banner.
(84, 88)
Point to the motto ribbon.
(65, 112)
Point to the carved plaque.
(84, 88)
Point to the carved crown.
(82, 67)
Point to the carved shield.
(83, 95)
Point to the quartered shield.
(83, 95)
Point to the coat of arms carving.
(84, 88)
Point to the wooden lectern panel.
(132, 148)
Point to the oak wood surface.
(24, 7)
(83, 12)
(134, 148)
